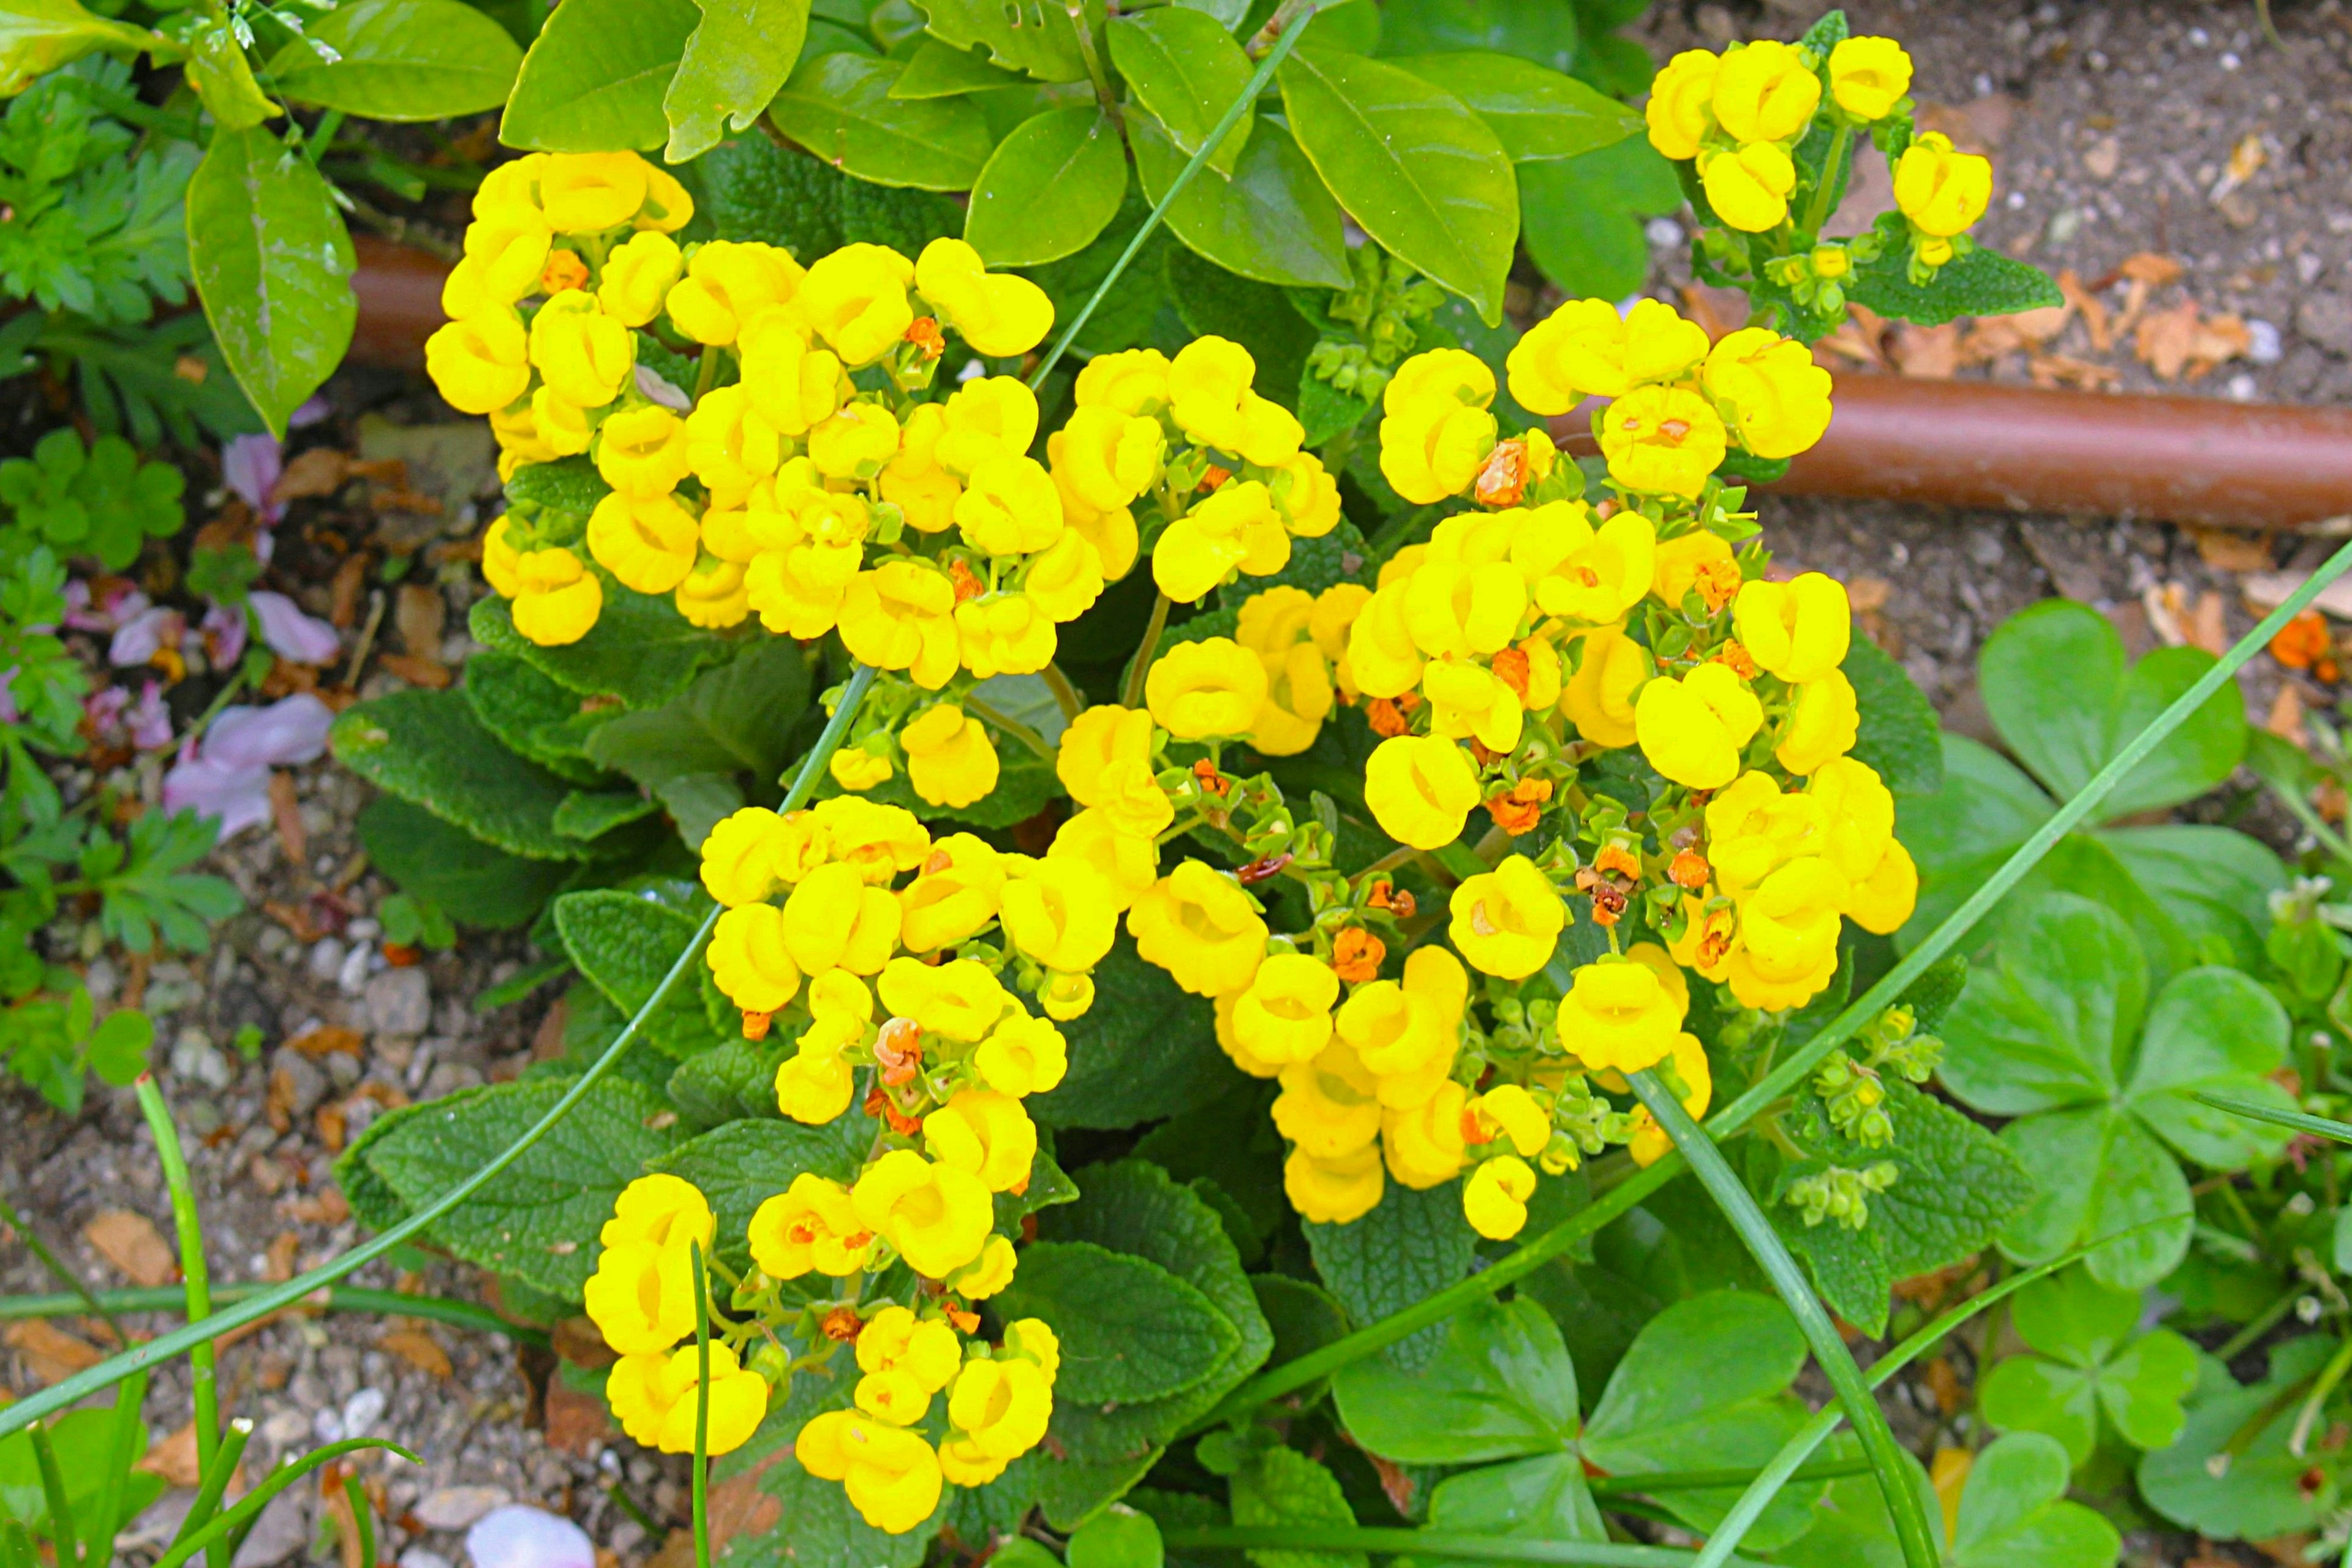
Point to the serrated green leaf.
(640, 650)
(568, 485)
(476, 884)
(1500, 1387)
(586, 814)
(1048, 189)
(1146, 1050)
(1898, 735)
(1410, 1246)
(1185, 67)
(1535, 113)
(530, 714)
(744, 1163)
(739, 55)
(735, 717)
(594, 81)
(729, 1082)
(1274, 220)
(839, 107)
(1278, 1486)
(1130, 1331)
(400, 60)
(1034, 36)
(1984, 282)
(427, 747)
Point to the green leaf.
(2213, 882)
(2014, 1513)
(736, 717)
(1536, 113)
(427, 747)
(640, 650)
(1583, 217)
(1849, 1527)
(1984, 282)
(1146, 1050)
(728, 1082)
(37, 37)
(2053, 1020)
(1501, 1387)
(1546, 1498)
(538, 1219)
(401, 59)
(2102, 1173)
(480, 886)
(1258, 316)
(272, 263)
(2212, 1031)
(1048, 189)
(117, 1050)
(1279, 1486)
(586, 814)
(1273, 221)
(1410, 1247)
(818, 1526)
(2054, 681)
(839, 107)
(1034, 36)
(2231, 1475)
(942, 71)
(744, 1163)
(1186, 69)
(1542, 31)
(594, 81)
(223, 78)
(83, 1444)
(1417, 171)
(1129, 1330)
(2095, 1364)
(567, 485)
(621, 944)
(1898, 735)
(530, 714)
(740, 53)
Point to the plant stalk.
(337, 1299)
(204, 1379)
(1131, 695)
(1432, 1543)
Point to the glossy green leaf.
(2212, 881)
(2101, 1174)
(37, 37)
(1033, 37)
(839, 107)
(1536, 113)
(594, 81)
(1417, 171)
(1583, 217)
(401, 59)
(2014, 1513)
(1048, 189)
(1544, 1497)
(427, 747)
(222, 77)
(1542, 31)
(2053, 1019)
(1186, 68)
(273, 264)
(740, 53)
(1272, 220)
(2212, 1031)
(1500, 1387)
(942, 71)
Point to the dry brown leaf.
(2246, 159)
(576, 1423)
(327, 1039)
(2094, 311)
(331, 1126)
(1930, 354)
(2065, 370)
(174, 1459)
(279, 1266)
(2286, 719)
(2228, 549)
(51, 1354)
(1945, 1384)
(2207, 626)
(1980, 125)
(547, 1041)
(2149, 268)
(286, 816)
(579, 1341)
(320, 472)
(419, 614)
(1717, 311)
(1868, 594)
(419, 1350)
(132, 1244)
(678, 1551)
(2165, 339)
(325, 1206)
(429, 673)
(343, 596)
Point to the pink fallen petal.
(139, 637)
(149, 723)
(290, 634)
(117, 602)
(8, 711)
(223, 634)
(250, 466)
(314, 408)
(237, 796)
(662, 390)
(521, 1536)
(290, 732)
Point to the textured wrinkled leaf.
(592, 814)
(744, 1163)
(1187, 70)
(839, 107)
(401, 59)
(739, 55)
(594, 81)
(640, 650)
(623, 944)
(1410, 1246)
(1034, 36)
(1535, 113)
(1984, 282)
(1146, 1050)
(730, 1082)
(529, 713)
(1278, 1486)
(1898, 735)
(1419, 172)
(1048, 189)
(472, 883)
(1501, 1387)
(427, 747)
(1129, 1330)
(273, 264)
(736, 717)
(1272, 220)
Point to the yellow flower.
(1619, 1017)
(503, 260)
(1065, 578)
(879, 841)
(667, 207)
(1824, 721)
(712, 596)
(792, 383)
(638, 277)
(1422, 1144)
(1009, 507)
(641, 452)
(1456, 607)
(1680, 561)
(659, 1210)
(1662, 439)
(1435, 430)
(728, 283)
(1598, 698)
(1334, 1192)
(1788, 936)
(642, 1296)
(914, 481)
(582, 192)
(582, 353)
(729, 444)
(856, 299)
(1585, 349)
(1941, 192)
(958, 999)
(1066, 996)
(1681, 105)
(1096, 738)
(1202, 928)
(1236, 528)
(1469, 702)
(1128, 861)
(515, 430)
(937, 1215)
(748, 852)
(1771, 394)
(893, 1396)
(1110, 458)
(1869, 76)
(1749, 189)
(1582, 573)
(1213, 687)
(856, 769)
(924, 1350)
(1508, 921)
(1062, 914)
(1765, 91)
(558, 426)
(1422, 789)
(1023, 1057)
(986, 1275)
(1882, 901)
(1400, 1030)
(999, 315)
(814, 1085)
(1285, 1015)
(749, 961)
(1298, 698)
(1383, 659)
(1509, 1110)
(1211, 400)
(855, 443)
(1494, 1201)
(988, 416)
(1650, 1142)
(500, 557)
(835, 918)
(650, 544)
(1133, 380)
(1753, 829)
(954, 895)
(949, 759)
(809, 1226)
(793, 592)
(892, 1474)
(1309, 496)
(509, 193)
(1003, 634)
(1002, 1406)
(1857, 814)
(481, 364)
(1797, 630)
(985, 1134)
(556, 600)
(901, 616)
(1692, 728)
(655, 1398)
(1328, 1106)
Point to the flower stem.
(1132, 695)
(701, 1410)
(1013, 727)
(1072, 703)
(203, 1391)
(1817, 211)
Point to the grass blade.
(122, 1453)
(1425, 1545)
(230, 1527)
(362, 1519)
(1704, 1481)
(2300, 1120)
(333, 1298)
(701, 1409)
(203, 1391)
(62, 1533)
(88, 1299)
(214, 1483)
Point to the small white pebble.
(1663, 233)
(2243, 388)
(2263, 344)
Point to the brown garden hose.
(1943, 442)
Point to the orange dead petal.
(564, 269)
(1716, 581)
(1487, 756)
(1505, 478)
(1742, 662)
(1608, 905)
(843, 1324)
(1211, 780)
(1386, 719)
(755, 1025)
(1473, 1130)
(967, 1322)
(2301, 642)
(1510, 668)
(924, 333)
(1408, 702)
(967, 586)
(1356, 955)
(1512, 815)
(1689, 870)
(1615, 860)
(1215, 477)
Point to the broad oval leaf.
(37, 37)
(1034, 36)
(1536, 114)
(1130, 1331)
(739, 55)
(2102, 1175)
(401, 59)
(427, 747)
(594, 81)
(1416, 169)
(1542, 31)
(1583, 216)
(2014, 1512)
(2053, 1020)
(1187, 71)
(839, 107)
(2231, 1474)
(1500, 1388)
(273, 264)
(1273, 221)
(2212, 1031)
(1048, 189)
(480, 886)
(937, 69)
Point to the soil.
(2113, 126)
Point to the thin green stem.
(2324, 1385)
(83, 1298)
(1432, 1543)
(1739, 1205)
(122, 1453)
(71, 1391)
(362, 1519)
(1131, 695)
(213, 1484)
(987, 713)
(1707, 1481)
(2304, 812)
(2261, 1322)
(701, 1287)
(204, 1392)
(337, 1298)
(230, 1526)
(2299, 1121)
(1065, 694)
(62, 1533)
(1817, 211)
